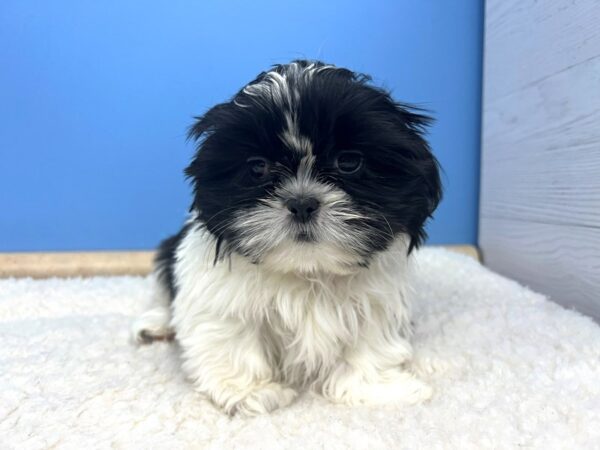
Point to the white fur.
(292, 137)
(251, 336)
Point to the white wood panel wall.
(540, 174)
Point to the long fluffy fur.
(263, 305)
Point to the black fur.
(165, 260)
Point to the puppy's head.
(310, 168)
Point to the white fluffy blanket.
(515, 370)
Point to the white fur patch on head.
(281, 89)
(292, 138)
(277, 85)
(274, 87)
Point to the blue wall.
(96, 96)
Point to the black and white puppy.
(311, 189)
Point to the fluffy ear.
(202, 128)
(206, 123)
(418, 122)
(414, 117)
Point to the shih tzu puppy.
(311, 189)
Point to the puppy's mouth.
(303, 232)
(305, 236)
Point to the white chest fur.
(304, 322)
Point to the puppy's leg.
(372, 373)
(154, 324)
(229, 361)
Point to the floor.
(512, 370)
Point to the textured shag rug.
(514, 370)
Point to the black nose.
(303, 208)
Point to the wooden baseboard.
(469, 250)
(86, 264)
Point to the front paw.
(405, 390)
(402, 389)
(259, 400)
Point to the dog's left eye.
(349, 162)
(259, 167)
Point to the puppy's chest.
(314, 321)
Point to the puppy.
(311, 189)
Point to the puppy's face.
(309, 168)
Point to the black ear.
(207, 122)
(415, 123)
(203, 127)
(418, 121)
(200, 126)
(200, 130)
(415, 119)
(433, 182)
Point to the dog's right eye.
(259, 168)
(349, 162)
